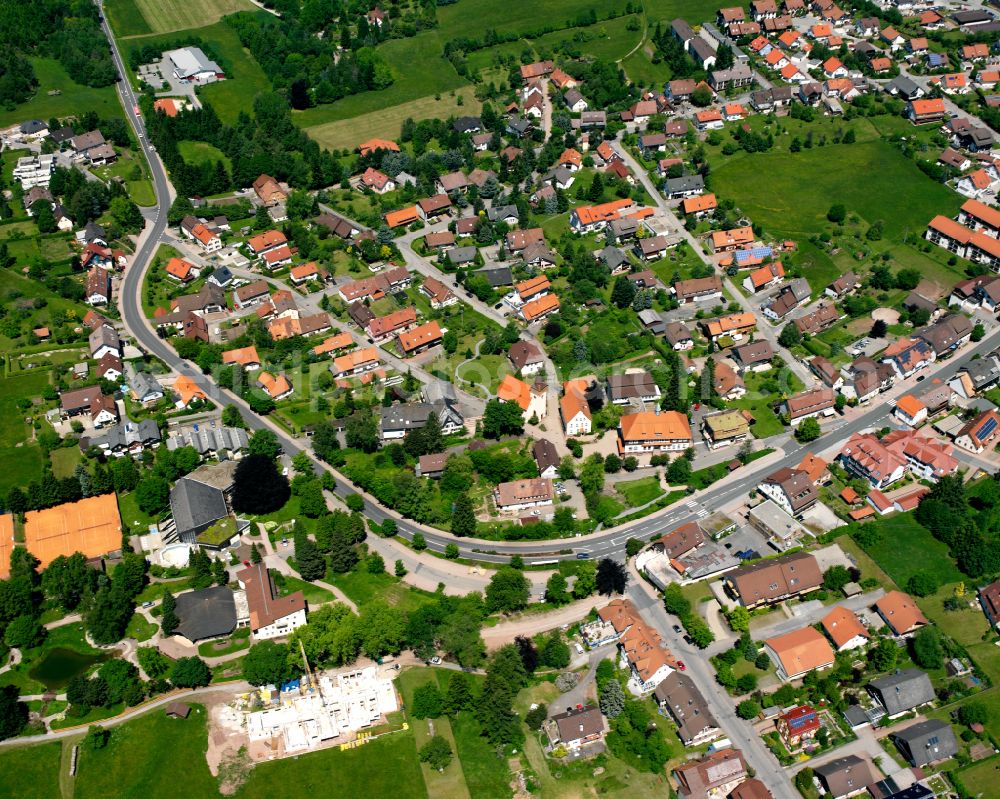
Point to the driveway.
(814, 612)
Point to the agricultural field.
(344, 134)
(139, 17)
(72, 98)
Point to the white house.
(271, 616)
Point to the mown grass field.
(790, 193)
(31, 772)
(386, 122)
(126, 19)
(468, 17)
(198, 152)
(164, 16)
(22, 458)
(72, 99)
(450, 783)
(608, 40)
(385, 767)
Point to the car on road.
(681, 666)
(583, 555)
(435, 660)
(688, 640)
(246, 563)
(498, 306)
(921, 377)
(677, 629)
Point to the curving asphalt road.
(610, 542)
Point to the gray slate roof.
(683, 184)
(210, 439)
(927, 742)
(122, 436)
(195, 506)
(902, 691)
(207, 613)
(144, 385)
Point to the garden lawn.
(236, 642)
(639, 492)
(980, 779)
(314, 594)
(64, 461)
(906, 548)
(31, 772)
(133, 519)
(73, 98)
(801, 187)
(362, 588)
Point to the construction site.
(319, 710)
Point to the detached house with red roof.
(798, 726)
(844, 629)
(376, 181)
(833, 67)
(979, 433)
(922, 111)
(419, 338)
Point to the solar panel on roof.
(756, 252)
(987, 429)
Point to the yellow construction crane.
(312, 682)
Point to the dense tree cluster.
(310, 68)
(967, 525)
(66, 30)
(266, 142)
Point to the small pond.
(60, 665)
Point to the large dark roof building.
(208, 613)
